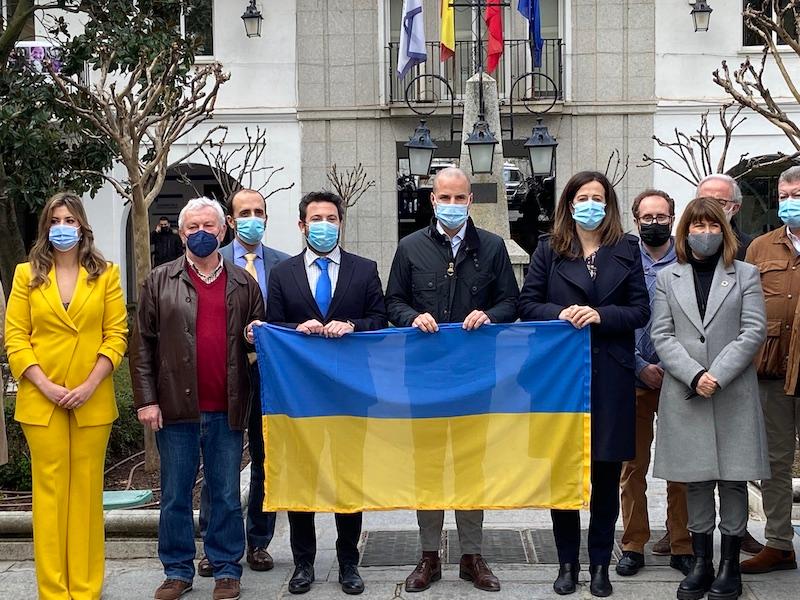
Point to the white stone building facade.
(319, 80)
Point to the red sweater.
(211, 332)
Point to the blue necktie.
(323, 292)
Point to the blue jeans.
(180, 446)
(260, 524)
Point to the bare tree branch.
(234, 169)
(686, 149)
(616, 177)
(351, 185)
(746, 84)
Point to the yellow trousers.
(68, 532)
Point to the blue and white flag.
(412, 38)
(530, 10)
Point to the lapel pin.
(724, 284)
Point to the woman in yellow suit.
(66, 331)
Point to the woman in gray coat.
(708, 324)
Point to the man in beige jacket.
(777, 256)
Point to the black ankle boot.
(567, 579)
(599, 584)
(728, 584)
(699, 579)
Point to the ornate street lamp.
(541, 150)
(420, 150)
(481, 143)
(701, 14)
(252, 20)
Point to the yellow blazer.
(65, 343)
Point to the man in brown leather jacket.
(191, 386)
(777, 256)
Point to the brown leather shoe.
(473, 568)
(172, 589)
(259, 559)
(204, 567)
(226, 589)
(768, 560)
(428, 569)
(662, 547)
(750, 545)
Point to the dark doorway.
(759, 212)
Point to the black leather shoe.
(681, 562)
(567, 579)
(302, 578)
(630, 563)
(600, 585)
(728, 584)
(350, 579)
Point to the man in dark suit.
(325, 291)
(247, 216)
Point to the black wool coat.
(619, 295)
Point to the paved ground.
(136, 579)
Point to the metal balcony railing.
(516, 61)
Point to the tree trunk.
(13, 248)
(140, 224)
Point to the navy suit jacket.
(619, 295)
(271, 258)
(358, 296)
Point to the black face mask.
(654, 234)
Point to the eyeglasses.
(723, 203)
(650, 219)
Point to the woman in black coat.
(590, 273)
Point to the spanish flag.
(447, 41)
(399, 419)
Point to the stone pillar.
(492, 216)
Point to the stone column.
(489, 215)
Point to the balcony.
(516, 61)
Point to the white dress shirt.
(455, 241)
(313, 271)
(795, 240)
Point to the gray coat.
(722, 437)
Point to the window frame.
(782, 47)
(200, 58)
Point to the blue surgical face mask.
(202, 243)
(589, 214)
(250, 229)
(451, 216)
(789, 211)
(322, 236)
(64, 237)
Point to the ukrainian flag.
(399, 419)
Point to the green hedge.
(126, 436)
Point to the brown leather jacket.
(162, 351)
(779, 265)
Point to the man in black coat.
(451, 272)
(325, 291)
(167, 245)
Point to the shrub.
(16, 475)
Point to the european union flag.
(530, 10)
